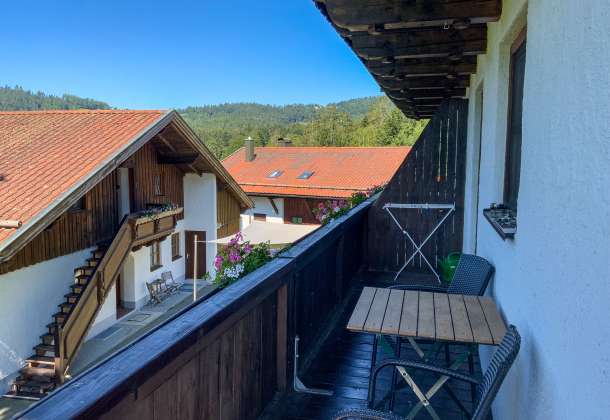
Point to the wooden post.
(282, 338)
(195, 269)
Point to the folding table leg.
(376, 337)
(394, 376)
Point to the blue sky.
(153, 54)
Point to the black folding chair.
(471, 277)
(487, 388)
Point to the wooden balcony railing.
(135, 230)
(225, 357)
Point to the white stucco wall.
(28, 299)
(263, 205)
(200, 210)
(552, 281)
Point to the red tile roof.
(44, 154)
(338, 171)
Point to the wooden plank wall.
(224, 358)
(74, 230)
(433, 172)
(232, 377)
(301, 207)
(228, 211)
(145, 169)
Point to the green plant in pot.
(448, 266)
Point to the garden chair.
(487, 388)
(170, 283)
(471, 277)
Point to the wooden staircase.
(40, 374)
(48, 366)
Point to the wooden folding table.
(441, 317)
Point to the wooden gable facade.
(156, 171)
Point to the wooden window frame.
(519, 42)
(79, 206)
(155, 256)
(176, 246)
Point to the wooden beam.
(361, 15)
(439, 66)
(275, 209)
(438, 82)
(176, 158)
(421, 44)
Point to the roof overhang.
(38, 223)
(420, 52)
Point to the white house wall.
(200, 210)
(552, 280)
(262, 205)
(28, 299)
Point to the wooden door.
(189, 236)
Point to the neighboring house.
(287, 183)
(94, 204)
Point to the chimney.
(249, 145)
(284, 142)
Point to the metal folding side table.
(425, 206)
(440, 317)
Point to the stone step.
(83, 270)
(60, 317)
(66, 307)
(44, 350)
(82, 279)
(77, 288)
(41, 360)
(38, 373)
(47, 339)
(72, 297)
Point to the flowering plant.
(331, 209)
(237, 259)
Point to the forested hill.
(272, 114)
(19, 99)
(371, 121)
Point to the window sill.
(177, 257)
(155, 268)
(503, 220)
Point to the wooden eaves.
(419, 51)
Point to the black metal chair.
(487, 388)
(471, 277)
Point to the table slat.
(494, 319)
(361, 311)
(480, 329)
(459, 316)
(410, 309)
(442, 317)
(391, 321)
(374, 320)
(425, 322)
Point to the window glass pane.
(513, 149)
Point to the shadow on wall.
(14, 361)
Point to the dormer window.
(275, 174)
(305, 175)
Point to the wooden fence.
(224, 358)
(433, 172)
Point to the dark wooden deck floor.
(343, 364)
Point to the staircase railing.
(70, 336)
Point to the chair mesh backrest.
(499, 366)
(167, 276)
(472, 275)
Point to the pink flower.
(335, 204)
(247, 248)
(234, 256)
(342, 203)
(218, 262)
(320, 205)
